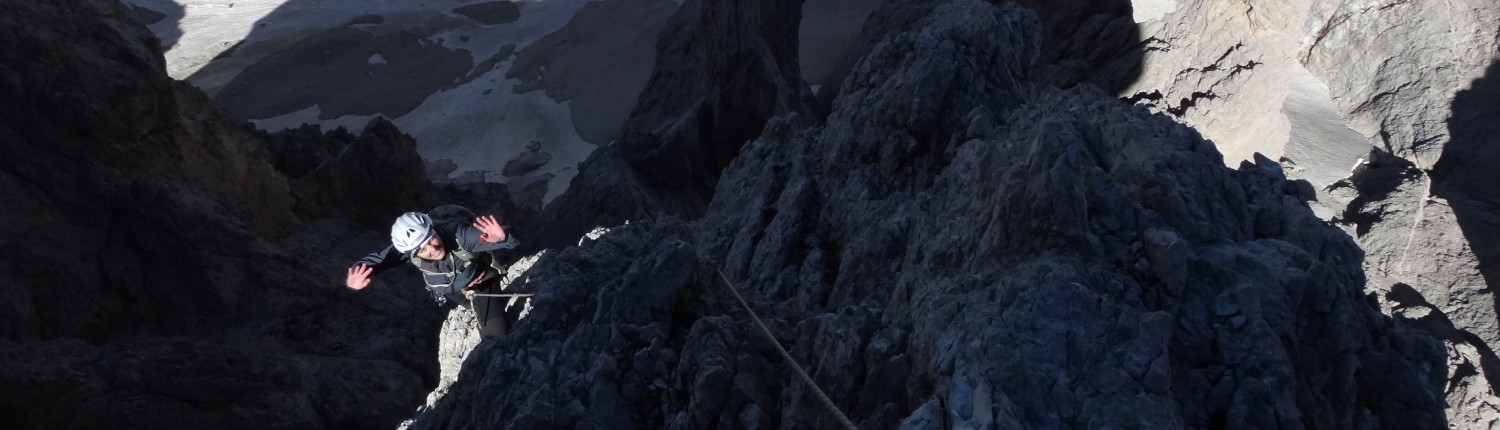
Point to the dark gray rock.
(370, 19)
(527, 162)
(1083, 41)
(197, 383)
(597, 349)
(491, 13)
(730, 67)
(723, 69)
(299, 151)
(147, 16)
(959, 246)
(1088, 41)
(333, 71)
(1423, 264)
(1463, 174)
(375, 178)
(108, 155)
(1320, 84)
(598, 63)
(159, 274)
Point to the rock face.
(370, 180)
(1399, 91)
(163, 266)
(1088, 41)
(1082, 41)
(724, 69)
(460, 335)
(965, 232)
(959, 245)
(1233, 69)
(1463, 175)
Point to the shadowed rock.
(159, 274)
(959, 246)
(528, 161)
(147, 16)
(723, 69)
(375, 177)
(491, 13)
(598, 63)
(345, 71)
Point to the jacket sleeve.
(468, 238)
(382, 260)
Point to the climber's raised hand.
(359, 277)
(489, 229)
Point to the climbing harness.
(453, 259)
(823, 398)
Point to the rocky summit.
(951, 214)
(958, 246)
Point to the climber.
(452, 248)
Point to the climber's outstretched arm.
(358, 275)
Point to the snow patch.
(1320, 141)
(481, 133)
(1149, 10)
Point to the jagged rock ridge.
(959, 246)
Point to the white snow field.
(473, 82)
(436, 70)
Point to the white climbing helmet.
(410, 231)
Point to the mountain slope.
(958, 246)
(168, 268)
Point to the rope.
(504, 295)
(823, 398)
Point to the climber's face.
(432, 250)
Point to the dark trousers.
(490, 312)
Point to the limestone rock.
(957, 243)
(1385, 108)
(966, 232)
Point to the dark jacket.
(447, 277)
